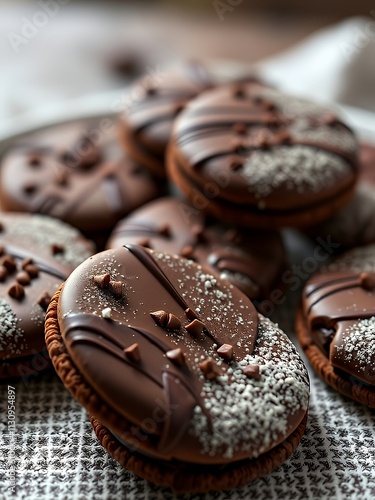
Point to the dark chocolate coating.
(154, 102)
(184, 357)
(252, 260)
(340, 311)
(37, 253)
(77, 173)
(251, 149)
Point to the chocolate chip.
(145, 242)
(44, 300)
(190, 314)
(57, 249)
(16, 291)
(26, 262)
(133, 353)
(165, 231)
(367, 281)
(160, 317)
(252, 371)
(226, 352)
(32, 270)
(209, 368)
(23, 278)
(235, 165)
(117, 288)
(102, 280)
(3, 273)
(239, 128)
(195, 328)
(173, 322)
(177, 356)
(187, 252)
(8, 262)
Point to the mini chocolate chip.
(26, 262)
(367, 281)
(173, 322)
(209, 368)
(44, 300)
(160, 317)
(56, 249)
(8, 262)
(133, 353)
(29, 189)
(252, 371)
(102, 280)
(235, 165)
(16, 291)
(187, 252)
(195, 328)
(239, 128)
(145, 242)
(23, 278)
(177, 356)
(165, 231)
(117, 288)
(3, 273)
(190, 314)
(32, 270)
(226, 352)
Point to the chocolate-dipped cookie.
(77, 173)
(252, 261)
(188, 386)
(153, 103)
(250, 154)
(37, 253)
(336, 324)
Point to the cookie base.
(189, 478)
(350, 386)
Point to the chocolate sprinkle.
(252, 371)
(102, 280)
(225, 352)
(177, 356)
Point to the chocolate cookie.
(336, 325)
(37, 253)
(152, 105)
(188, 386)
(77, 173)
(250, 154)
(251, 261)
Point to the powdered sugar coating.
(359, 259)
(249, 415)
(11, 335)
(267, 170)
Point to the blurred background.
(55, 53)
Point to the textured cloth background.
(58, 457)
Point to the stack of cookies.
(160, 335)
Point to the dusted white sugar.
(248, 414)
(106, 313)
(359, 259)
(11, 336)
(299, 167)
(358, 345)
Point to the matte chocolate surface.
(252, 260)
(181, 355)
(77, 173)
(249, 147)
(37, 253)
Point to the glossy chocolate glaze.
(146, 124)
(263, 150)
(171, 383)
(252, 260)
(342, 304)
(75, 172)
(37, 254)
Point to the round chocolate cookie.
(153, 103)
(336, 324)
(251, 261)
(37, 253)
(77, 173)
(250, 154)
(187, 385)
